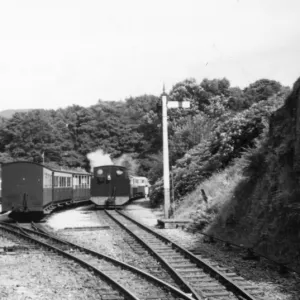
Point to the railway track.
(195, 274)
(130, 282)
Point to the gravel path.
(35, 274)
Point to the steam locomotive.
(112, 186)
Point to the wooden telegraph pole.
(165, 105)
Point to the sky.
(56, 53)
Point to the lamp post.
(165, 105)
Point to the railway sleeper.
(237, 278)
(195, 277)
(168, 254)
(243, 282)
(151, 241)
(177, 260)
(180, 266)
(231, 274)
(222, 269)
(161, 248)
(215, 289)
(218, 294)
(207, 285)
(202, 280)
(191, 271)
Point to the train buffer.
(173, 223)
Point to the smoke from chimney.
(99, 158)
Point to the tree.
(261, 90)
(216, 87)
(28, 135)
(188, 90)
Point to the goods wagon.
(31, 187)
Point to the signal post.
(165, 105)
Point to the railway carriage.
(62, 188)
(81, 185)
(34, 188)
(139, 186)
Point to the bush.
(228, 142)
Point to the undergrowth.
(219, 191)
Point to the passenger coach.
(31, 187)
(139, 186)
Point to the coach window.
(56, 181)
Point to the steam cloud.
(99, 158)
(130, 163)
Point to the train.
(32, 188)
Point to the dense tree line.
(221, 121)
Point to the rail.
(141, 273)
(223, 277)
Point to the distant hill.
(8, 113)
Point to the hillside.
(255, 201)
(8, 113)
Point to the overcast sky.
(56, 53)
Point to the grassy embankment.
(255, 201)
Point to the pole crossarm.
(178, 104)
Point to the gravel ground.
(111, 240)
(262, 274)
(42, 275)
(36, 274)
